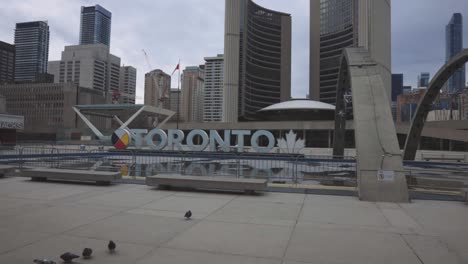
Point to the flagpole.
(178, 96)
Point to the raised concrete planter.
(210, 183)
(100, 177)
(6, 169)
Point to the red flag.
(176, 68)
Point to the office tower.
(193, 79)
(47, 109)
(407, 89)
(339, 24)
(454, 45)
(127, 89)
(157, 89)
(397, 86)
(213, 91)
(32, 50)
(423, 79)
(397, 89)
(7, 63)
(95, 25)
(90, 66)
(174, 103)
(257, 59)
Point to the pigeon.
(44, 261)
(87, 253)
(111, 246)
(188, 214)
(68, 257)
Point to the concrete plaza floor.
(46, 219)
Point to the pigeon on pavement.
(188, 214)
(111, 246)
(87, 253)
(68, 257)
(44, 261)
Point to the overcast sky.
(192, 29)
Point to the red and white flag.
(176, 68)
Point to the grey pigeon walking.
(87, 253)
(111, 246)
(188, 214)
(68, 257)
(44, 261)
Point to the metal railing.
(277, 168)
(281, 168)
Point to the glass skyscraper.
(339, 24)
(424, 79)
(338, 30)
(95, 26)
(32, 50)
(454, 45)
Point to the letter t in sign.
(240, 138)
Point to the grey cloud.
(192, 29)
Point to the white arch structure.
(424, 106)
(379, 159)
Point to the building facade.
(213, 91)
(454, 45)
(257, 59)
(89, 66)
(32, 50)
(47, 108)
(174, 104)
(127, 89)
(464, 105)
(193, 80)
(397, 86)
(339, 24)
(7, 63)
(424, 79)
(95, 25)
(157, 89)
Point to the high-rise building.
(193, 79)
(339, 24)
(157, 89)
(127, 89)
(95, 25)
(7, 63)
(213, 91)
(174, 103)
(454, 45)
(397, 89)
(32, 50)
(423, 79)
(90, 66)
(257, 59)
(397, 86)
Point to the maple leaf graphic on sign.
(291, 144)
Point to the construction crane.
(147, 60)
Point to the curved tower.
(338, 30)
(339, 24)
(257, 64)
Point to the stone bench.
(208, 183)
(6, 169)
(100, 177)
(442, 157)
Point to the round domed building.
(298, 110)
